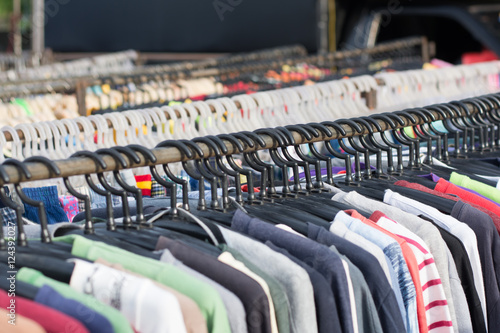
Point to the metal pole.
(38, 33)
(16, 18)
(81, 166)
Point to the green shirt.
(488, 191)
(207, 298)
(117, 320)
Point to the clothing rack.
(239, 63)
(72, 80)
(376, 92)
(83, 165)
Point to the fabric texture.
(424, 229)
(365, 273)
(157, 190)
(48, 195)
(36, 278)
(326, 310)
(145, 184)
(250, 292)
(445, 186)
(147, 308)
(93, 321)
(70, 206)
(8, 216)
(320, 257)
(233, 305)
(435, 303)
(392, 249)
(204, 295)
(278, 293)
(449, 188)
(51, 320)
(466, 279)
(294, 279)
(193, 319)
(481, 188)
(411, 263)
(457, 228)
(488, 242)
(341, 230)
(22, 324)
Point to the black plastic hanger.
(348, 179)
(119, 160)
(250, 198)
(100, 165)
(185, 152)
(283, 164)
(45, 234)
(216, 173)
(252, 159)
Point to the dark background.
(180, 25)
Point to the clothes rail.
(249, 62)
(81, 166)
(285, 51)
(388, 92)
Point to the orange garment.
(411, 262)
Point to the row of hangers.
(90, 66)
(472, 125)
(327, 100)
(106, 68)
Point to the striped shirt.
(436, 306)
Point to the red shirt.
(444, 189)
(51, 320)
(411, 262)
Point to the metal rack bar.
(82, 166)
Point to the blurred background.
(166, 30)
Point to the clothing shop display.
(275, 200)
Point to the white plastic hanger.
(16, 146)
(3, 146)
(234, 120)
(28, 141)
(88, 133)
(42, 135)
(53, 139)
(163, 126)
(219, 123)
(175, 125)
(74, 142)
(151, 138)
